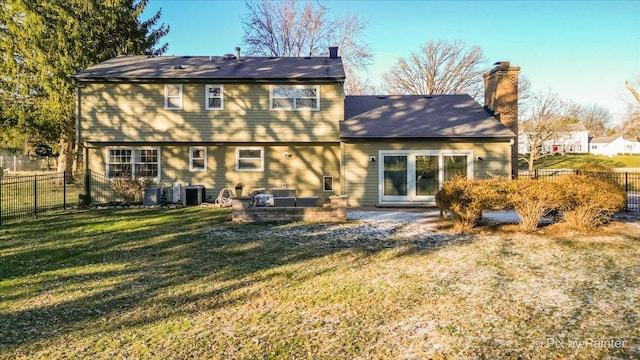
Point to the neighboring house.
(574, 141)
(613, 145)
(285, 122)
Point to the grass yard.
(187, 283)
(572, 161)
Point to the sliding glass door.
(416, 176)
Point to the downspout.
(80, 146)
(514, 167)
(343, 190)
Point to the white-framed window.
(119, 163)
(173, 96)
(133, 162)
(198, 158)
(327, 183)
(214, 97)
(250, 159)
(416, 175)
(294, 97)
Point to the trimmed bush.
(595, 167)
(590, 201)
(465, 199)
(533, 199)
(601, 172)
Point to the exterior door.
(416, 176)
(395, 180)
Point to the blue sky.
(582, 50)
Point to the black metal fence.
(100, 190)
(27, 196)
(24, 197)
(30, 196)
(629, 181)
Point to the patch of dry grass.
(187, 283)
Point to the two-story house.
(285, 122)
(574, 140)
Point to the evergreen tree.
(42, 43)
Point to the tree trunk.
(531, 158)
(65, 159)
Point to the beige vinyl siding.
(122, 112)
(302, 171)
(361, 175)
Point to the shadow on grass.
(59, 274)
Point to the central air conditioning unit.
(152, 196)
(193, 195)
(176, 190)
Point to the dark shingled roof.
(194, 68)
(419, 116)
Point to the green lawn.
(572, 161)
(187, 283)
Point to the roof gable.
(419, 116)
(604, 139)
(186, 68)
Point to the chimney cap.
(333, 52)
(504, 64)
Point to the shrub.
(466, 198)
(590, 201)
(595, 167)
(130, 190)
(602, 172)
(533, 199)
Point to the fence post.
(87, 187)
(626, 190)
(35, 196)
(64, 190)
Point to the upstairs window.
(295, 97)
(173, 96)
(214, 100)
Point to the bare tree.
(632, 90)
(288, 28)
(548, 120)
(524, 96)
(440, 67)
(631, 126)
(595, 118)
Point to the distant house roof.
(604, 139)
(576, 127)
(199, 68)
(419, 116)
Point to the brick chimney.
(501, 99)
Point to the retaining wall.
(243, 211)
